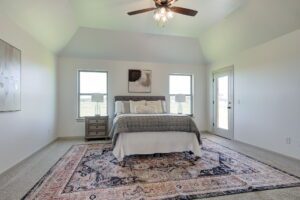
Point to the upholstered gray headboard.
(139, 98)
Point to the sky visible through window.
(180, 84)
(93, 82)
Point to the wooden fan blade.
(184, 11)
(141, 11)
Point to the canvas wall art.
(10, 78)
(139, 81)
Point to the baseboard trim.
(206, 132)
(71, 138)
(267, 150)
(10, 171)
(257, 147)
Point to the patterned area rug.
(91, 172)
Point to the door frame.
(229, 69)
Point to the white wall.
(267, 83)
(118, 85)
(22, 133)
(133, 46)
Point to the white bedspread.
(155, 142)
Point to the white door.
(223, 102)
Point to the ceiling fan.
(164, 10)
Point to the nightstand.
(96, 127)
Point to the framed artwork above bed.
(139, 81)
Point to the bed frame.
(134, 142)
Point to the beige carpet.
(14, 184)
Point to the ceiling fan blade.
(184, 11)
(141, 11)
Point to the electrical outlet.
(288, 140)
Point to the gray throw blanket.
(152, 123)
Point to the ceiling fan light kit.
(165, 10)
(162, 15)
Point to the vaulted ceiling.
(255, 23)
(111, 14)
(54, 22)
(223, 27)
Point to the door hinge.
(213, 124)
(213, 102)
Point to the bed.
(142, 133)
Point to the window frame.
(191, 92)
(79, 93)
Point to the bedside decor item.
(96, 127)
(139, 81)
(98, 98)
(180, 98)
(10, 78)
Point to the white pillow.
(126, 107)
(157, 105)
(134, 104)
(141, 109)
(119, 107)
(164, 106)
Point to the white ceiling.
(111, 14)
(255, 23)
(54, 22)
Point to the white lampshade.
(97, 98)
(180, 98)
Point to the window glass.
(92, 84)
(180, 85)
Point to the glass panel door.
(223, 102)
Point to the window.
(91, 84)
(181, 85)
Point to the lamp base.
(97, 110)
(180, 110)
